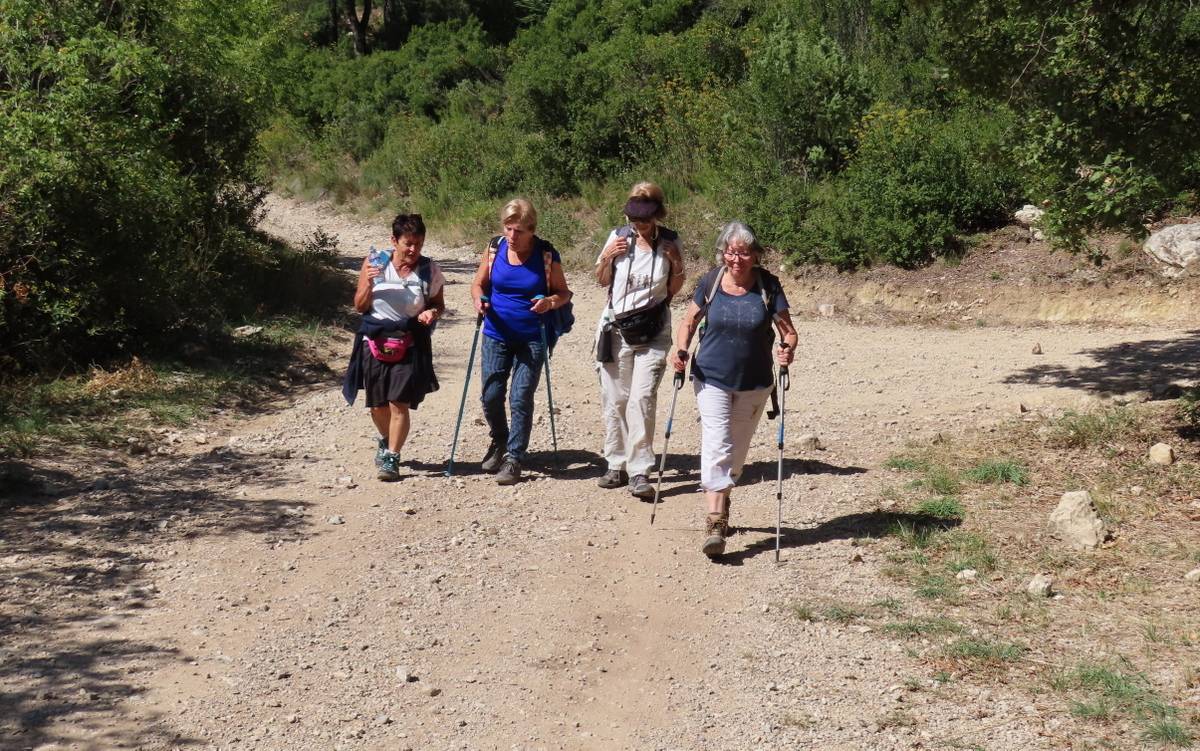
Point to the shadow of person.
(850, 526)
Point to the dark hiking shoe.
(510, 472)
(640, 487)
(380, 453)
(613, 478)
(493, 458)
(389, 467)
(717, 529)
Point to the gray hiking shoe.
(717, 528)
(493, 458)
(510, 472)
(380, 453)
(613, 478)
(640, 487)
(389, 467)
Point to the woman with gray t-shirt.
(742, 306)
(642, 267)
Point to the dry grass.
(1114, 601)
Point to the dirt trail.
(276, 612)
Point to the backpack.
(558, 321)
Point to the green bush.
(124, 172)
(917, 181)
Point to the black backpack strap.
(425, 274)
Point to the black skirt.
(385, 382)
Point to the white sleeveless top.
(394, 297)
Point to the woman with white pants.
(642, 267)
(738, 302)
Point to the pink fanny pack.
(390, 349)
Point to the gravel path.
(305, 605)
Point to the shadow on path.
(1152, 365)
(850, 526)
(76, 561)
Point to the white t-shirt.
(640, 279)
(394, 297)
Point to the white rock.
(1136, 490)
(244, 331)
(1028, 215)
(1076, 521)
(1175, 248)
(1193, 575)
(1041, 585)
(1161, 453)
(826, 309)
(335, 520)
(967, 575)
(809, 442)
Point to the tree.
(359, 25)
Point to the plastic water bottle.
(379, 259)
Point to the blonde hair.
(651, 191)
(521, 211)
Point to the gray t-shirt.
(735, 351)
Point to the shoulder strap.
(425, 274)
(490, 255)
(625, 231)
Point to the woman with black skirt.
(400, 300)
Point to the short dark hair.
(408, 224)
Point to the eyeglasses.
(738, 254)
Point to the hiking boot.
(389, 467)
(510, 472)
(717, 528)
(380, 453)
(613, 478)
(640, 487)
(493, 458)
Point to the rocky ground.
(257, 588)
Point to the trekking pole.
(549, 391)
(462, 403)
(783, 384)
(662, 461)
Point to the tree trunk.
(358, 25)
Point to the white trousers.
(727, 423)
(628, 398)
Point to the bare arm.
(675, 280)
(362, 294)
(435, 308)
(478, 285)
(788, 338)
(683, 336)
(604, 267)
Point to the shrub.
(917, 180)
(124, 173)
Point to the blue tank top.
(513, 288)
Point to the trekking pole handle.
(784, 381)
(678, 379)
(484, 300)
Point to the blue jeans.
(524, 360)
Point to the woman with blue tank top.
(738, 302)
(513, 272)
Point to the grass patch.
(906, 464)
(1168, 732)
(941, 480)
(943, 507)
(922, 627)
(804, 611)
(1094, 428)
(997, 471)
(1112, 691)
(985, 650)
(839, 613)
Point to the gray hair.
(737, 231)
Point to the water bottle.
(379, 259)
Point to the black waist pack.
(641, 326)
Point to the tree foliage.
(125, 133)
